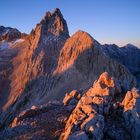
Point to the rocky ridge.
(104, 111)
(122, 55)
(39, 54)
(91, 118)
(38, 70)
(9, 34)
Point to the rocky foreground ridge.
(103, 111)
(53, 86)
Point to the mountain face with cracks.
(57, 86)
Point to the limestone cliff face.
(131, 112)
(45, 65)
(81, 61)
(79, 64)
(87, 118)
(103, 112)
(37, 55)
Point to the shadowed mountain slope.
(38, 70)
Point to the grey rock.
(131, 113)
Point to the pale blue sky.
(108, 21)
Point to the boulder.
(131, 112)
(71, 98)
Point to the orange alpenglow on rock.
(56, 86)
(87, 119)
(131, 112)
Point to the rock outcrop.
(42, 122)
(102, 112)
(28, 61)
(71, 98)
(84, 61)
(87, 119)
(38, 70)
(131, 113)
(37, 55)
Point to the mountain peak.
(10, 34)
(49, 14)
(130, 46)
(54, 23)
(57, 11)
(74, 47)
(81, 32)
(84, 38)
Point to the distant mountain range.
(57, 86)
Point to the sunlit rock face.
(131, 112)
(103, 112)
(41, 70)
(37, 55)
(100, 112)
(30, 59)
(88, 116)
(81, 62)
(71, 98)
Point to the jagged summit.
(54, 23)
(39, 53)
(38, 71)
(55, 12)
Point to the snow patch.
(4, 45)
(18, 41)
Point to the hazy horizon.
(112, 22)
